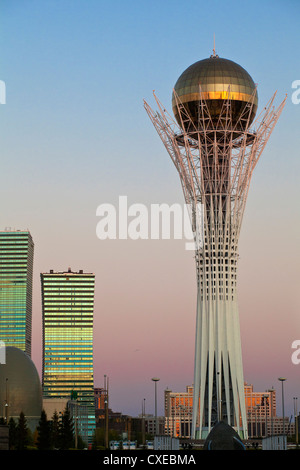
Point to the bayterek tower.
(215, 141)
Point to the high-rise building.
(16, 272)
(68, 307)
(215, 143)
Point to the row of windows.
(71, 325)
(219, 283)
(79, 340)
(215, 297)
(77, 280)
(68, 294)
(81, 319)
(15, 305)
(18, 257)
(5, 241)
(60, 287)
(76, 302)
(69, 355)
(73, 365)
(84, 380)
(65, 343)
(77, 313)
(11, 277)
(62, 350)
(69, 299)
(15, 262)
(68, 312)
(66, 371)
(53, 333)
(12, 319)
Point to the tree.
(99, 437)
(44, 433)
(55, 430)
(66, 431)
(12, 434)
(22, 432)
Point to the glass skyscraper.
(68, 306)
(16, 271)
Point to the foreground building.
(215, 145)
(16, 271)
(20, 388)
(68, 307)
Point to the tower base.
(205, 431)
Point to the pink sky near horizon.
(75, 135)
(145, 310)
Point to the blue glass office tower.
(16, 272)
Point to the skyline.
(65, 99)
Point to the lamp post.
(155, 380)
(271, 391)
(6, 401)
(296, 419)
(255, 409)
(266, 422)
(282, 379)
(106, 409)
(143, 421)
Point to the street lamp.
(155, 380)
(106, 409)
(296, 419)
(271, 391)
(255, 409)
(6, 400)
(266, 422)
(282, 379)
(143, 420)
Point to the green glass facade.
(68, 306)
(16, 272)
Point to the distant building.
(150, 425)
(4, 437)
(78, 412)
(80, 415)
(134, 428)
(178, 412)
(68, 306)
(260, 410)
(16, 270)
(100, 395)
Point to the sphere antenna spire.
(214, 49)
(214, 55)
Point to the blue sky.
(74, 134)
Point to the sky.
(75, 135)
